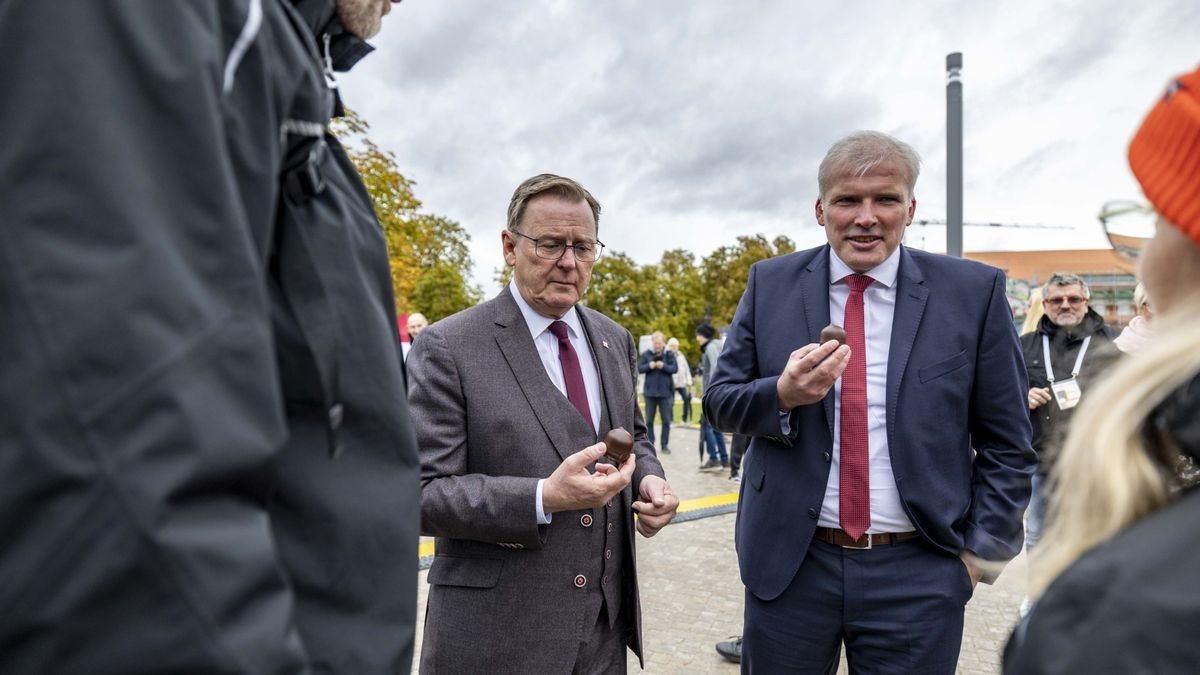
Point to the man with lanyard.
(1063, 355)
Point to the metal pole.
(954, 175)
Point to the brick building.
(1109, 276)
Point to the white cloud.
(695, 121)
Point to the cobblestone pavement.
(692, 597)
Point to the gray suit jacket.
(508, 595)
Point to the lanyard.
(1078, 359)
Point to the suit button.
(828, 457)
(335, 416)
(604, 581)
(812, 513)
(586, 520)
(580, 581)
(609, 504)
(610, 528)
(608, 554)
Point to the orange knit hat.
(1165, 155)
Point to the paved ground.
(692, 598)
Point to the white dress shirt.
(547, 346)
(879, 304)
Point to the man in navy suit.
(885, 472)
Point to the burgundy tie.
(572, 374)
(854, 481)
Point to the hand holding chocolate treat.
(619, 443)
(833, 332)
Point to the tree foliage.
(676, 294)
(431, 263)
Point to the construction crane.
(1025, 226)
(1032, 226)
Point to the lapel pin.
(605, 343)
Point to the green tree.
(623, 291)
(675, 294)
(726, 270)
(430, 260)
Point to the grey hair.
(1060, 279)
(1140, 298)
(549, 184)
(862, 151)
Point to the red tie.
(572, 374)
(854, 481)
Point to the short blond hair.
(862, 151)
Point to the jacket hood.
(345, 48)
(1178, 417)
(1091, 324)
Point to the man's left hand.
(975, 572)
(656, 506)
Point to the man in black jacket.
(1062, 356)
(658, 366)
(209, 465)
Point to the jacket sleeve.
(455, 502)
(643, 363)
(1000, 434)
(139, 389)
(669, 364)
(643, 445)
(737, 397)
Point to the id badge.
(1066, 393)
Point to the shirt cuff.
(785, 424)
(543, 518)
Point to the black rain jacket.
(207, 458)
(1050, 424)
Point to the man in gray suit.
(534, 570)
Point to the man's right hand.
(1038, 397)
(809, 375)
(572, 486)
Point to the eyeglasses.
(1070, 299)
(1127, 224)
(553, 249)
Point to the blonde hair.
(1036, 311)
(861, 151)
(1107, 477)
(1140, 298)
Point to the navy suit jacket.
(957, 422)
(659, 381)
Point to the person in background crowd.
(1116, 571)
(1138, 331)
(659, 367)
(416, 323)
(737, 450)
(1063, 356)
(682, 380)
(1035, 313)
(714, 441)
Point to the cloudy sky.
(694, 121)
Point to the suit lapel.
(814, 288)
(911, 294)
(609, 357)
(512, 336)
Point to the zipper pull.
(330, 79)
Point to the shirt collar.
(885, 273)
(539, 323)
